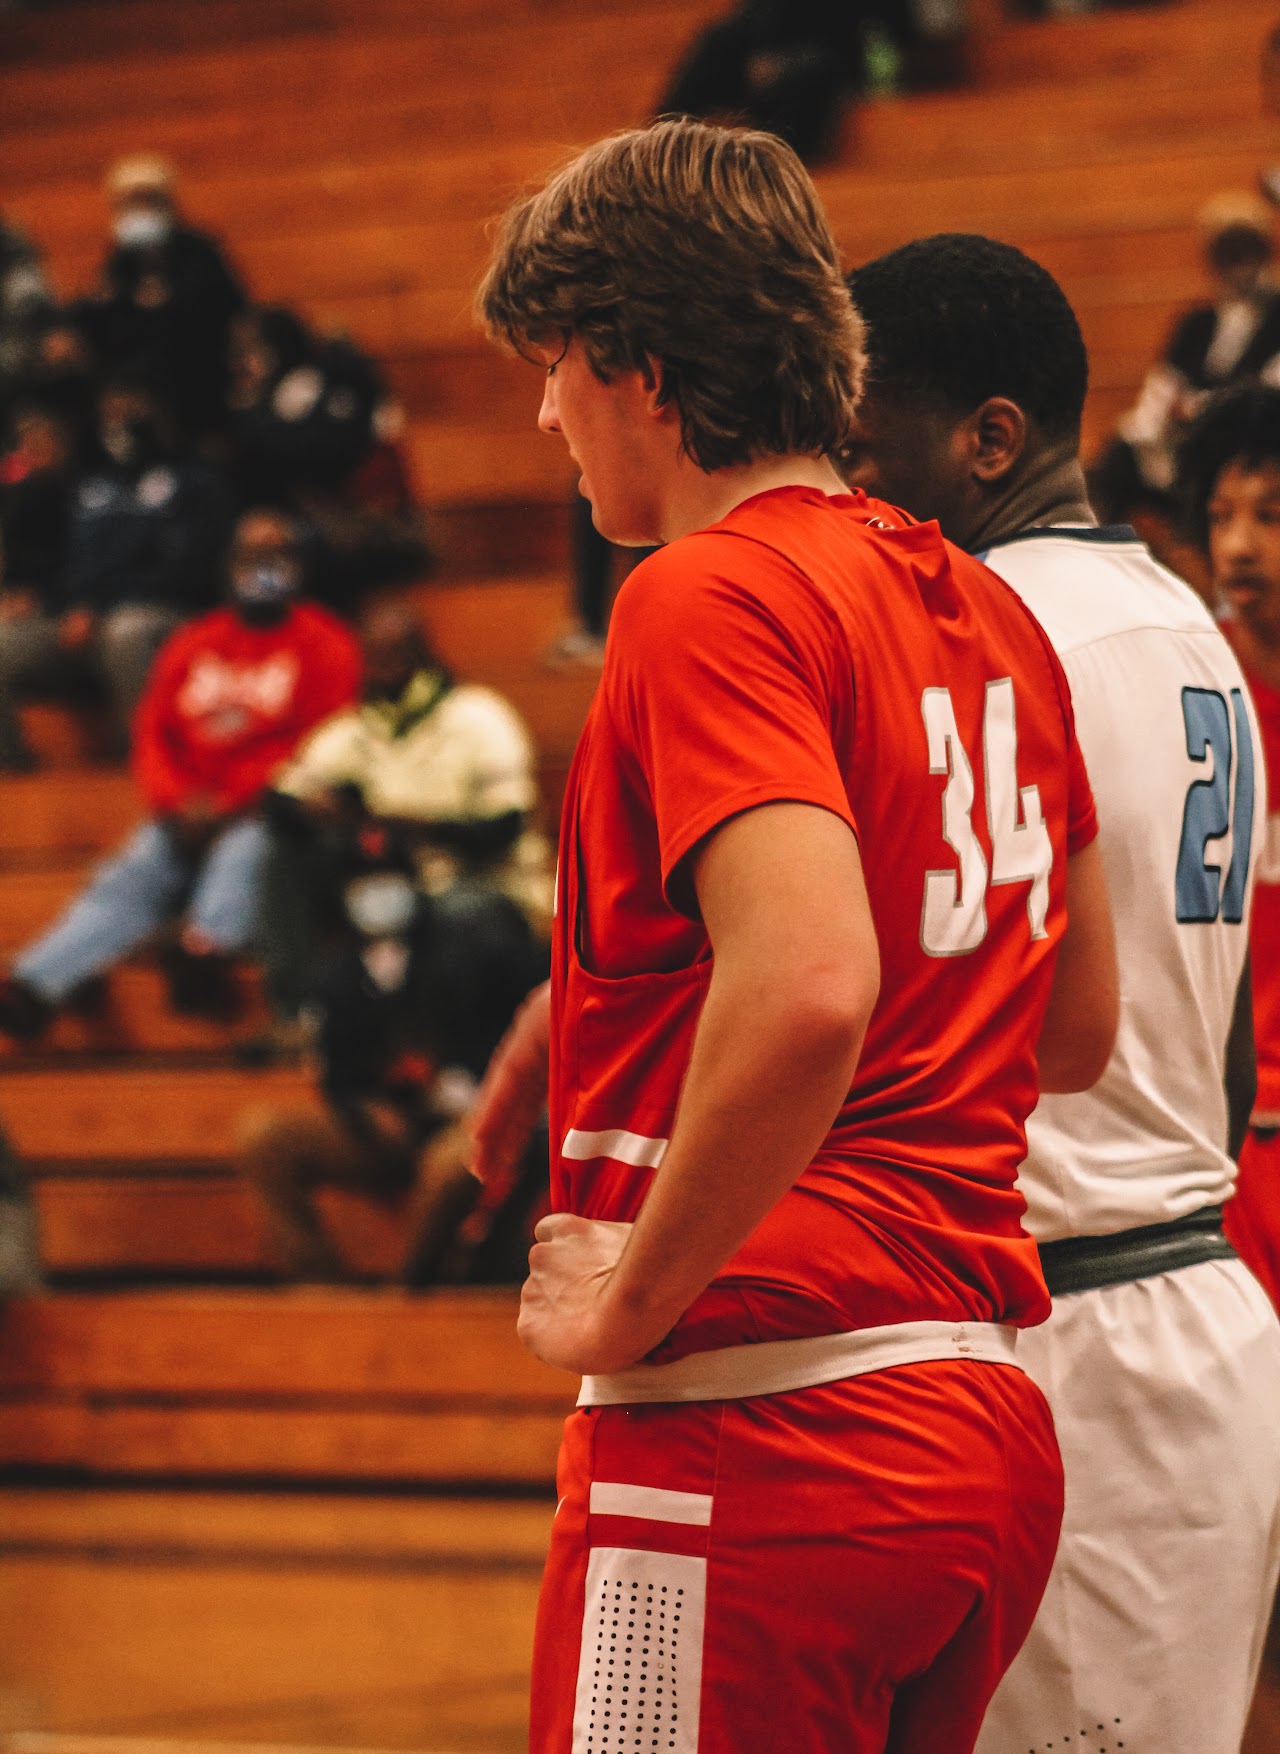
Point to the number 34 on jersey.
(953, 919)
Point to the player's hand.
(565, 1316)
(512, 1096)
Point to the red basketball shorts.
(842, 1570)
(1251, 1218)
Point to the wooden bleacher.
(350, 152)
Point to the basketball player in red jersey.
(1231, 477)
(822, 833)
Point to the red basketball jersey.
(826, 651)
(1264, 922)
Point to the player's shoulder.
(1085, 583)
(703, 581)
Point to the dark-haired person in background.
(1230, 484)
(229, 698)
(1153, 1619)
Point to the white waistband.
(775, 1367)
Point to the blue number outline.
(1214, 807)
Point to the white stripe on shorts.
(623, 1147)
(653, 1503)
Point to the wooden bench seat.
(139, 1220)
(303, 1385)
(47, 818)
(142, 1114)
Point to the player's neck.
(697, 498)
(1048, 489)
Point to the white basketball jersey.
(1172, 745)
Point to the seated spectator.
(403, 1037)
(782, 65)
(147, 529)
(167, 296)
(1234, 338)
(36, 491)
(227, 703)
(25, 306)
(449, 765)
(314, 430)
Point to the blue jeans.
(133, 894)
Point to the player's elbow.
(826, 1013)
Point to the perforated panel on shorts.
(640, 1670)
(1107, 1738)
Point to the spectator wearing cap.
(1229, 340)
(146, 529)
(401, 1028)
(229, 699)
(167, 296)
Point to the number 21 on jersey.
(953, 920)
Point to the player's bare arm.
(1079, 1029)
(796, 978)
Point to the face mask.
(381, 906)
(141, 228)
(264, 587)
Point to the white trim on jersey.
(631, 1148)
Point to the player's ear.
(997, 438)
(656, 382)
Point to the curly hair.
(956, 318)
(1240, 425)
(705, 249)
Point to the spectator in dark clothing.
(313, 428)
(36, 485)
(167, 297)
(304, 407)
(25, 306)
(145, 542)
(783, 65)
(1212, 346)
(410, 1008)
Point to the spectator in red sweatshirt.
(229, 698)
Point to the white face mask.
(141, 228)
(382, 905)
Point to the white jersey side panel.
(1174, 755)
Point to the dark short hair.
(1240, 425)
(707, 250)
(956, 318)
